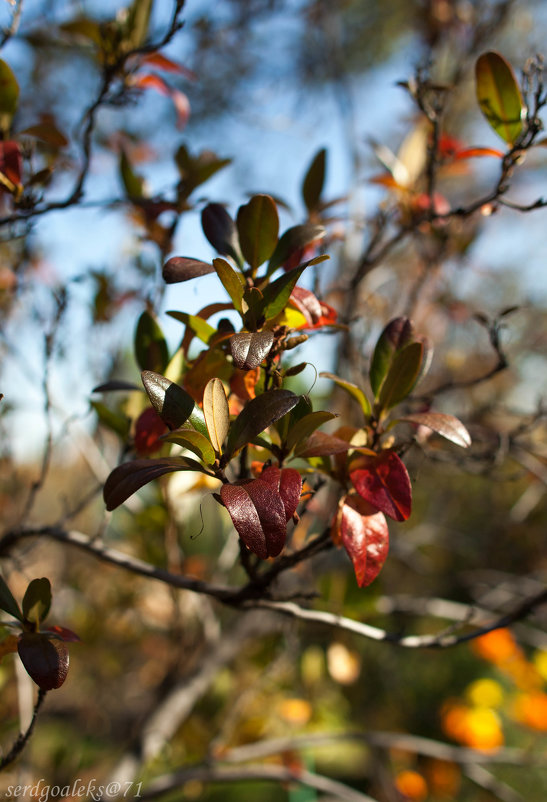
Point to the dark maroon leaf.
(181, 268)
(321, 444)
(126, 479)
(308, 304)
(151, 350)
(60, 633)
(288, 483)
(45, 660)
(221, 231)
(115, 385)
(250, 348)
(314, 181)
(257, 415)
(383, 481)
(365, 537)
(258, 515)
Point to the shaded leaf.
(151, 350)
(383, 481)
(365, 537)
(232, 281)
(277, 293)
(132, 182)
(115, 421)
(196, 170)
(37, 600)
(250, 348)
(352, 389)
(45, 660)
(258, 415)
(447, 426)
(114, 385)
(403, 374)
(499, 96)
(7, 601)
(126, 479)
(221, 231)
(181, 268)
(314, 181)
(304, 427)
(396, 335)
(193, 441)
(173, 404)
(197, 324)
(216, 413)
(258, 227)
(252, 308)
(258, 515)
(293, 240)
(8, 645)
(321, 444)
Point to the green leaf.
(402, 376)
(137, 22)
(396, 334)
(258, 415)
(314, 181)
(173, 404)
(293, 240)
(499, 96)
(37, 600)
(276, 294)
(216, 413)
(115, 421)
(132, 182)
(258, 227)
(232, 281)
(306, 426)
(126, 479)
(151, 350)
(9, 96)
(7, 601)
(197, 324)
(221, 231)
(352, 389)
(196, 170)
(193, 441)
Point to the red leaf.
(288, 483)
(148, 430)
(365, 537)
(258, 515)
(61, 633)
(178, 98)
(10, 162)
(161, 62)
(45, 660)
(181, 268)
(383, 481)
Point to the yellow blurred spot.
(483, 729)
(540, 662)
(344, 666)
(295, 711)
(531, 710)
(411, 785)
(485, 693)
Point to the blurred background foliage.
(273, 81)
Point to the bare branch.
(21, 741)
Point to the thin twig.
(23, 737)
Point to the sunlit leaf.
(293, 240)
(60, 633)
(37, 600)
(45, 660)
(258, 415)
(383, 481)
(314, 180)
(136, 23)
(197, 324)
(9, 96)
(221, 231)
(365, 537)
(288, 483)
(304, 427)
(151, 350)
(258, 515)
(149, 429)
(249, 349)
(216, 413)
(352, 389)
(232, 281)
(7, 601)
(499, 96)
(395, 336)
(447, 426)
(277, 293)
(181, 268)
(172, 403)
(403, 374)
(258, 227)
(193, 441)
(129, 477)
(321, 444)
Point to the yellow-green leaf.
(499, 96)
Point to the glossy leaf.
(258, 415)
(193, 441)
(129, 477)
(277, 293)
(258, 515)
(403, 374)
(258, 227)
(197, 324)
(304, 427)
(365, 537)
(151, 350)
(37, 600)
(314, 181)
(216, 413)
(383, 481)
(221, 231)
(173, 404)
(293, 240)
(250, 348)
(447, 426)
(115, 385)
(288, 483)
(499, 96)
(395, 336)
(321, 444)
(232, 281)
(9, 95)
(45, 660)
(7, 601)
(181, 268)
(352, 389)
